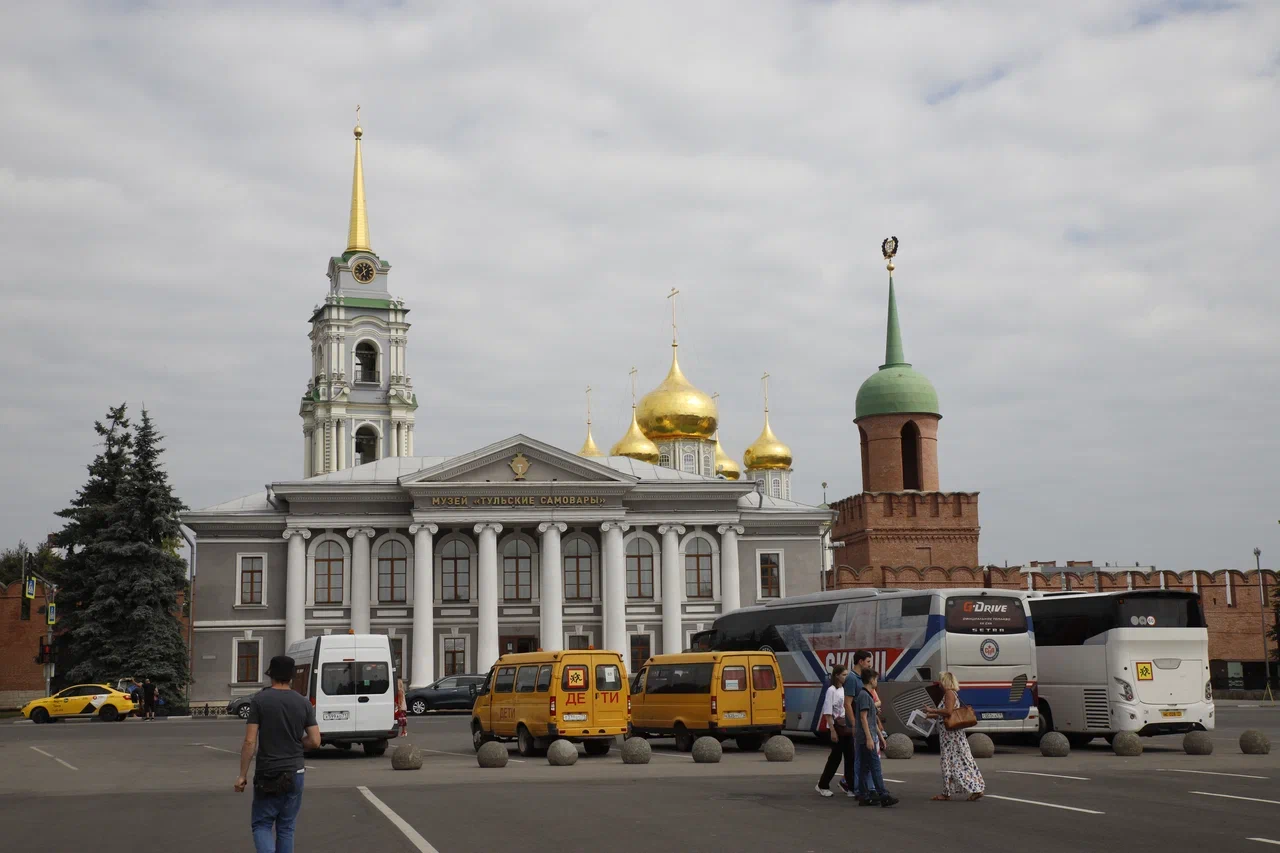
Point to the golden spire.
(589, 446)
(767, 451)
(677, 409)
(358, 231)
(634, 444)
(724, 464)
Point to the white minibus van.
(350, 681)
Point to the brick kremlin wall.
(21, 678)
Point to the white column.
(487, 588)
(614, 576)
(730, 578)
(295, 590)
(333, 445)
(395, 438)
(551, 619)
(422, 657)
(410, 439)
(360, 578)
(317, 445)
(672, 589)
(341, 433)
(307, 453)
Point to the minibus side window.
(544, 679)
(526, 679)
(637, 683)
(336, 680)
(658, 680)
(733, 678)
(302, 679)
(763, 678)
(608, 677)
(373, 678)
(506, 678)
(574, 678)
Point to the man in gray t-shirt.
(281, 726)
(853, 687)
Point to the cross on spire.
(633, 375)
(672, 297)
(588, 405)
(765, 380)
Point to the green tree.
(46, 561)
(1273, 633)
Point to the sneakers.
(887, 801)
(884, 802)
(823, 792)
(848, 792)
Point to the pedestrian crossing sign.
(29, 588)
(52, 613)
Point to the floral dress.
(959, 771)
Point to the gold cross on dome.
(672, 297)
(765, 380)
(588, 405)
(633, 374)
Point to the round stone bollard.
(1254, 742)
(707, 750)
(981, 746)
(492, 754)
(561, 753)
(779, 748)
(636, 750)
(1197, 743)
(899, 746)
(1055, 745)
(1127, 744)
(406, 757)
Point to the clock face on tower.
(363, 271)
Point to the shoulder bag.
(961, 717)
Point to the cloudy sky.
(1085, 192)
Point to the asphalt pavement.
(172, 779)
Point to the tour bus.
(983, 636)
(1125, 661)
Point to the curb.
(82, 720)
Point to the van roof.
(551, 657)
(700, 657)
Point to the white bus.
(980, 635)
(1132, 661)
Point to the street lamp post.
(1262, 613)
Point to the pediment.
(503, 462)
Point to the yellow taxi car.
(82, 700)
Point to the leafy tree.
(46, 561)
(1273, 633)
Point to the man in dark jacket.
(148, 691)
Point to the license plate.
(993, 715)
(575, 718)
(335, 715)
(1173, 714)
(735, 715)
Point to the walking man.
(148, 700)
(852, 687)
(867, 740)
(282, 724)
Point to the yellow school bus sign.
(1145, 672)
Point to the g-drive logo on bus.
(980, 615)
(992, 607)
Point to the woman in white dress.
(960, 773)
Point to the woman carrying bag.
(959, 770)
(838, 729)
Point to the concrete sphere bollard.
(492, 754)
(779, 748)
(1254, 742)
(561, 753)
(1055, 745)
(707, 750)
(1127, 744)
(899, 746)
(636, 750)
(981, 746)
(1197, 743)
(406, 757)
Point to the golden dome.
(724, 462)
(589, 446)
(767, 451)
(676, 409)
(635, 445)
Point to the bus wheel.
(1046, 720)
(684, 740)
(525, 744)
(375, 748)
(1079, 740)
(478, 735)
(597, 747)
(749, 743)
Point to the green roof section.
(896, 388)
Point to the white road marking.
(1234, 797)
(55, 758)
(1038, 803)
(422, 845)
(1212, 773)
(219, 749)
(464, 755)
(1050, 775)
(1265, 840)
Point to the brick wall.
(21, 678)
(906, 529)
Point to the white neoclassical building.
(515, 546)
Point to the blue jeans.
(869, 764)
(274, 817)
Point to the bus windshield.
(1160, 612)
(985, 615)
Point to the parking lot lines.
(1212, 773)
(1265, 840)
(1234, 797)
(1046, 805)
(1050, 775)
(55, 758)
(398, 822)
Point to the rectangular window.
(985, 615)
(641, 650)
(373, 678)
(684, 678)
(302, 679)
(455, 655)
(770, 575)
(248, 657)
(764, 678)
(608, 678)
(544, 679)
(251, 580)
(505, 680)
(526, 679)
(578, 642)
(397, 655)
(336, 679)
(733, 678)
(574, 678)
(393, 574)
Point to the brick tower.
(901, 518)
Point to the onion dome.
(725, 465)
(676, 409)
(767, 451)
(589, 446)
(896, 388)
(635, 445)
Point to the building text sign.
(468, 501)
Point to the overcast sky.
(1085, 194)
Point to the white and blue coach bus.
(983, 636)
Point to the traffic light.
(44, 653)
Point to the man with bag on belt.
(282, 724)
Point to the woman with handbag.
(959, 771)
(838, 728)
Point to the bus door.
(732, 696)
(766, 692)
(609, 693)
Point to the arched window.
(517, 571)
(910, 456)
(697, 569)
(706, 464)
(866, 460)
(689, 463)
(329, 561)
(366, 362)
(455, 571)
(775, 488)
(393, 571)
(366, 445)
(639, 568)
(664, 459)
(577, 570)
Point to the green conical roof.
(896, 388)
